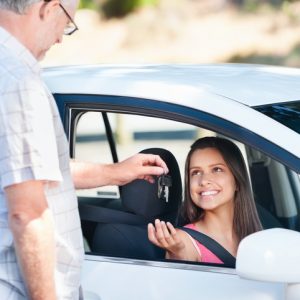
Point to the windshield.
(286, 113)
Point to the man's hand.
(139, 166)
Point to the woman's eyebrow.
(218, 164)
(211, 165)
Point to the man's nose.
(59, 40)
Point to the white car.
(112, 112)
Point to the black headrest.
(141, 197)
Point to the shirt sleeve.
(27, 136)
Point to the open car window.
(121, 227)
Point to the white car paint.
(135, 280)
(232, 88)
(267, 261)
(251, 85)
(273, 260)
(271, 255)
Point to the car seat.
(140, 199)
(263, 196)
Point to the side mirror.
(271, 255)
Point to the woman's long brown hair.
(245, 218)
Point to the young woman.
(217, 202)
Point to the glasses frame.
(70, 19)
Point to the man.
(41, 248)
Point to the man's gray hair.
(20, 6)
(17, 6)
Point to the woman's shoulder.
(205, 254)
(191, 226)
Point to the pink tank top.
(206, 255)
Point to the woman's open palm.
(164, 235)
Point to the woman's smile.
(209, 193)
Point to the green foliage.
(251, 5)
(120, 8)
(87, 4)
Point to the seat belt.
(213, 246)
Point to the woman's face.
(212, 185)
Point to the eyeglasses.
(71, 27)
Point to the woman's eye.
(217, 169)
(195, 173)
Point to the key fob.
(164, 181)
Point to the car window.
(132, 134)
(285, 113)
(276, 188)
(276, 191)
(91, 144)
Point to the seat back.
(141, 197)
(122, 240)
(273, 191)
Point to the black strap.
(213, 246)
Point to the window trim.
(69, 103)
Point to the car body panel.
(135, 280)
(257, 84)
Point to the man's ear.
(49, 9)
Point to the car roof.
(251, 85)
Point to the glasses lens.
(69, 29)
(71, 26)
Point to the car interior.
(141, 205)
(114, 219)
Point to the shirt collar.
(19, 50)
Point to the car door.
(107, 277)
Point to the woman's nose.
(205, 179)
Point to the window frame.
(69, 104)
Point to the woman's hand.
(165, 236)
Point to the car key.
(164, 183)
(167, 193)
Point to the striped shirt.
(33, 146)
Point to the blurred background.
(182, 31)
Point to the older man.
(41, 247)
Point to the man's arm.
(139, 166)
(32, 226)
